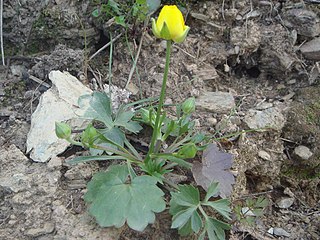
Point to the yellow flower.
(170, 24)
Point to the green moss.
(301, 172)
(13, 90)
(312, 112)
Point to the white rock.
(269, 118)
(264, 155)
(270, 231)
(217, 102)
(303, 152)
(285, 202)
(247, 212)
(57, 104)
(280, 232)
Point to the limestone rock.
(304, 21)
(285, 202)
(269, 118)
(217, 102)
(311, 49)
(303, 152)
(57, 104)
(264, 155)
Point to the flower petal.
(170, 24)
(155, 29)
(181, 38)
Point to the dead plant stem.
(1, 34)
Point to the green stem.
(161, 101)
(203, 212)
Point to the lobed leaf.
(99, 107)
(221, 206)
(113, 201)
(215, 229)
(214, 168)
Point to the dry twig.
(1, 34)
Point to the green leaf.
(196, 222)
(221, 206)
(96, 13)
(215, 229)
(186, 229)
(114, 135)
(187, 196)
(114, 6)
(261, 202)
(153, 5)
(212, 191)
(133, 126)
(121, 20)
(174, 159)
(123, 119)
(114, 201)
(82, 159)
(182, 217)
(99, 108)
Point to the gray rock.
(18, 70)
(303, 152)
(304, 21)
(14, 181)
(264, 155)
(280, 232)
(57, 104)
(217, 102)
(264, 105)
(35, 232)
(54, 163)
(212, 121)
(269, 118)
(285, 202)
(311, 49)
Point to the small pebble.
(264, 155)
(285, 202)
(212, 121)
(288, 192)
(280, 232)
(292, 81)
(303, 152)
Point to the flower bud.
(189, 105)
(187, 151)
(88, 136)
(63, 130)
(170, 24)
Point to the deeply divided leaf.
(216, 228)
(113, 200)
(221, 206)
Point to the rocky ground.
(253, 68)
